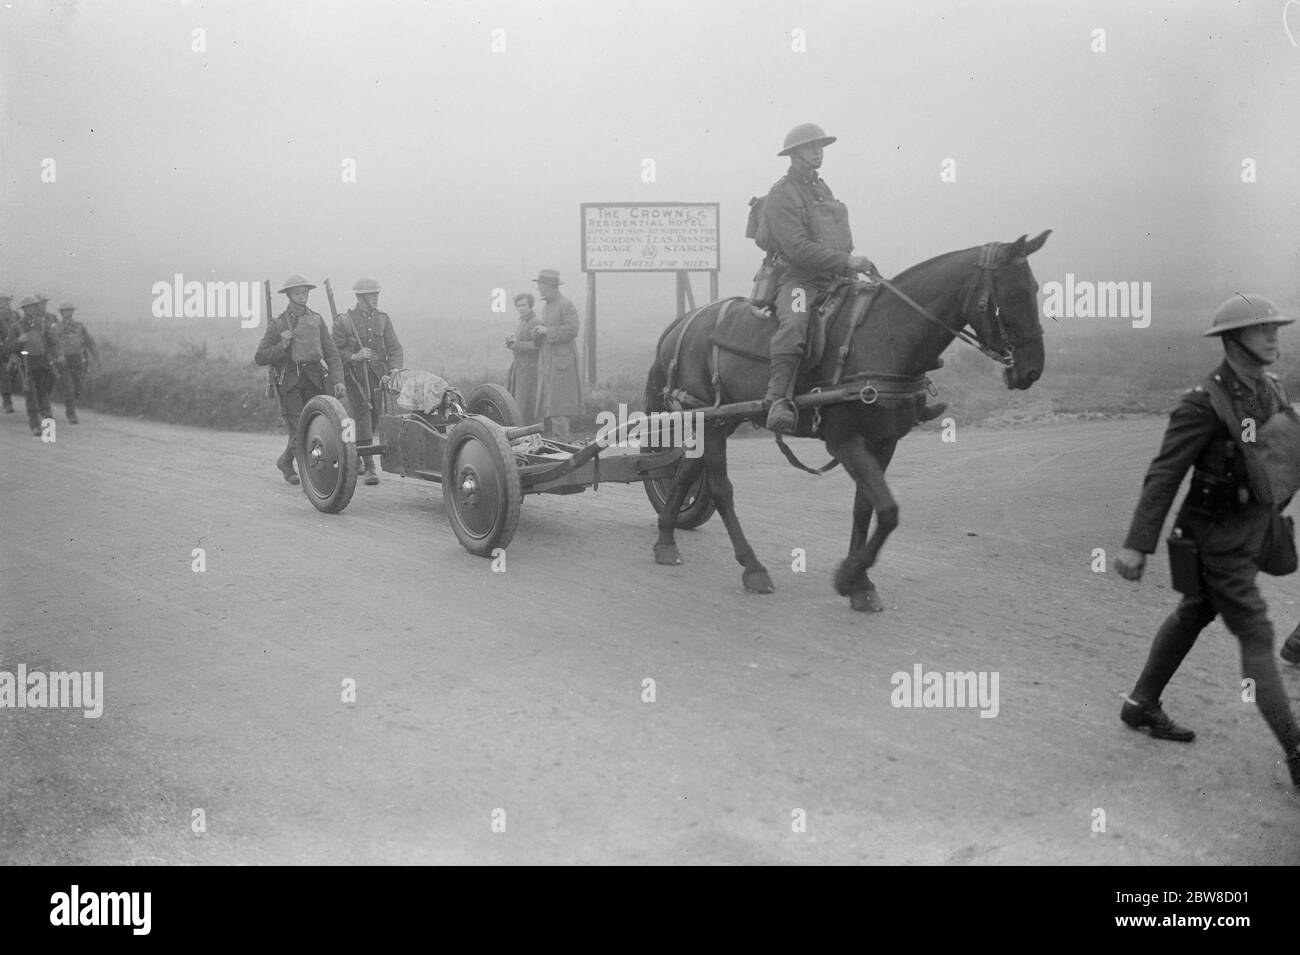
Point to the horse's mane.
(920, 265)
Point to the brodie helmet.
(1243, 311)
(365, 286)
(804, 134)
(295, 281)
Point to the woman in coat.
(522, 379)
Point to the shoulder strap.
(1259, 481)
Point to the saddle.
(747, 331)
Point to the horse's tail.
(655, 383)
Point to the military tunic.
(298, 361)
(813, 240)
(77, 345)
(375, 331)
(1229, 522)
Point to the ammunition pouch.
(766, 281)
(1212, 496)
(1184, 563)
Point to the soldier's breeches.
(70, 380)
(794, 303)
(38, 394)
(1230, 592)
(293, 401)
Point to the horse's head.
(1002, 309)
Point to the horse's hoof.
(866, 600)
(847, 578)
(667, 554)
(758, 582)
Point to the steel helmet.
(66, 306)
(363, 286)
(42, 297)
(802, 135)
(1243, 311)
(295, 281)
(29, 300)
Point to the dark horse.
(989, 288)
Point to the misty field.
(201, 372)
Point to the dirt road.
(515, 700)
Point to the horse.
(989, 289)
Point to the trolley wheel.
(480, 485)
(326, 463)
(697, 507)
(495, 402)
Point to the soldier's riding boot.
(369, 472)
(285, 463)
(782, 416)
(71, 410)
(8, 399)
(1291, 647)
(1293, 765)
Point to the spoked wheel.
(495, 402)
(480, 486)
(697, 507)
(326, 463)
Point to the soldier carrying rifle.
(369, 349)
(299, 348)
(33, 342)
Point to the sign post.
(680, 237)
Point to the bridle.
(980, 310)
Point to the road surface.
(356, 688)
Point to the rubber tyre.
(480, 486)
(327, 465)
(495, 402)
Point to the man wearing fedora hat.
(1229, 514)
(296, 343)
(559, 379)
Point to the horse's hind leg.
(666, 546)
(873, 494)
(755, 576)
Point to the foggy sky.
(471, 164)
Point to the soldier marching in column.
(369, 349)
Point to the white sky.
(471, 164)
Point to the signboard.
(649, 237)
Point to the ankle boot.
(782, 417)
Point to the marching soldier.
(369, 349)
(78, 348)
(295, 344)
(815, 245)
(559, 379)
(8, 369)
(1228, 513)
(34, 343)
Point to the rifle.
(334, 314)
(272, 382)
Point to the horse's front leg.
(872, 495)
(666, 546)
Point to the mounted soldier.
(298, 345)
(1230, 526)
(369, 349)
(808, 231)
